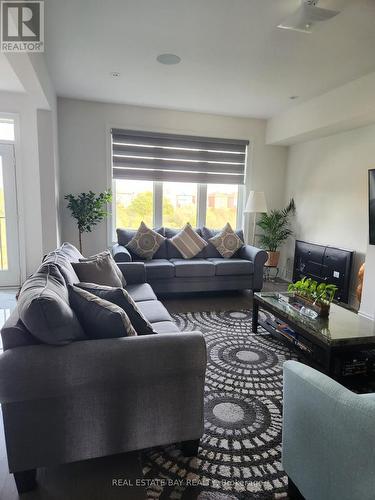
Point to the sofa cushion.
(165, 327)
(15, 334)
(154, 311)
(125, 235)
(64, 265)
(227, 242)
(99, 318)
(188, 242)
(159, 269)
(145, 242)
(172, 252)
(121, 298)
(100, 269)
(225, 267)
(193, 267)
(140, 292)
(211, 251)
(43, 306)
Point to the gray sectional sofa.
(169, 272)
(94, 398)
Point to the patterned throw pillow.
(227, 242)
(121, 298)
(99, 318)
(101, 269)
(188, 242)
(145, 242)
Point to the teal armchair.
(328, 437)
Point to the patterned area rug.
(240, 452)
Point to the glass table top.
(341, 327)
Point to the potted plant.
(316, 296)
(276, 231)
(88, 209)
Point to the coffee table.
(342, 345)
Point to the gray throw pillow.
(227, 242)
(121, 298)
(145, 242)
(101, 269)
(43, 306)
(99, 318)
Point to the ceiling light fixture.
(168, 59)
(293, 97)
(115, 74)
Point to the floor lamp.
(256, 204)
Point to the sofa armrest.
(328, 436)
(121, 254)
(258, 257)
(43, 371)
(134, 272)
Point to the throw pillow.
(145, 242)
(121, 298)
(43, 306)
(100, 269)
(99, 318)
(188, 242)
(227, 242)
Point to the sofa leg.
(190, 448)
(293, 491)
(25, 480)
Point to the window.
(168, 180)
(179, 204)
(6, 130)
(222, 200)
(134, 203)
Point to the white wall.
(328, 180)
(84, 150)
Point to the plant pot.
(321, 309)
(273, 259)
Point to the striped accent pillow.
(188, 242)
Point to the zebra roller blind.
(181, 158)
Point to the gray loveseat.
(99, 397)
(169, 272)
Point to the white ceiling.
(234, 60)
(8, 79)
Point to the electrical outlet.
(336, 274)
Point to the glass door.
(9, 246)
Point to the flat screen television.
(371, 206)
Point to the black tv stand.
(324, 263)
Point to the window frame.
(158, 206)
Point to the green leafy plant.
(319, 293)
(275, 226)
(88, 209)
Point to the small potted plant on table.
(314, 295)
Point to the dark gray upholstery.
(159, 268)
(99, 318)
(208, 271)
(225, 267)
(154, 311)
(43, 306)
(94, 398)
(193, 267)
(140, 292)
(121, 254)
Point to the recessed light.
(115, 74)
(168, 59)
(293, 97)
